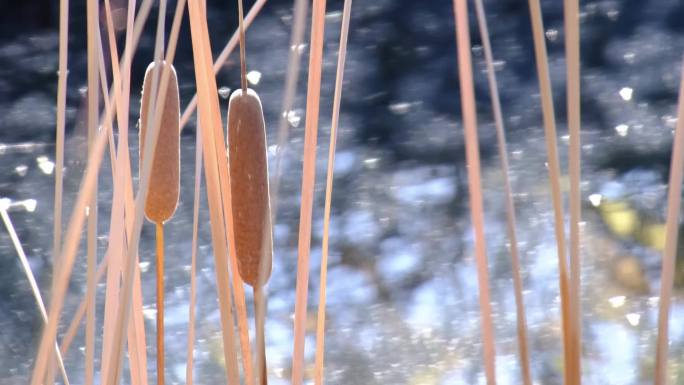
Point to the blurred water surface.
(402, 285)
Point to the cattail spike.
(249, 187)
(164, 189)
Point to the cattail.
(164, 189)
(249, 187)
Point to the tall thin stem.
(474, 182)
(554, 177)
(193, 259)
(93, 118)
(339, 78)
(674, 200)
(243, 56)
(308, 180)
(508, 193)
(572, 58)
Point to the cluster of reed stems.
(110, 83)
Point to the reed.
(242, 196)
(674, 200)
(193, 260)
(308, 178)
(164, 191)
(554, 180)
(469, 114)
(339, 77)
(510, 206)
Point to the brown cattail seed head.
(164, 185)
(249, 187)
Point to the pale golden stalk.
(674, 200)
(508, 193)
(339, 78)
(554, 179)
(308, 179)
(193, 258)
(93, 44)
(130, 275)
(572, 58)
(212, 133)
(59, 142)
(474, 183)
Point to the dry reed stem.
(127, 286)
(123, 198)
(259, 326)
(76, 224)
(32, 282)
(60, 128)
(554, 177)
(68, 255)
(572, 58)
(59, 142)
(240, 304)
(116, 239)
(212, 133)
(193, 257)
(339, 78)
(103, 88)
(474, 180)
(297, 36)
(508, 194)
(243, 56)
(130, 270)
(137, 346)
(93, 45)
(301, 9)
(674, 199)
(308, 180)
(160, 303)
(93, 77)
(116, 235)
(223, 56)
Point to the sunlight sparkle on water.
(45, 165)
(21, 169)
(30, 204)
(633, 318)
(622, 129)
(293, 117)
(626, 93)
(617, 301)
(595, 199)
(224, 92)
(253, 77)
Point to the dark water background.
(402, 292)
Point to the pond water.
(402, 286)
